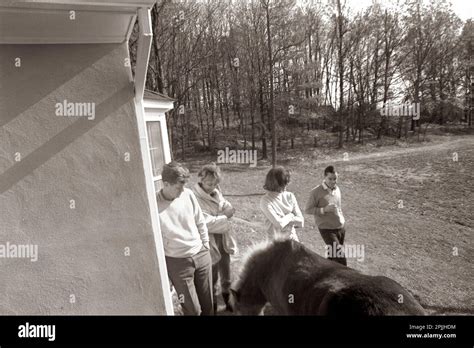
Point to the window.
(157, 143)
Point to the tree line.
(252, 73)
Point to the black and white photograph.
(237, 161)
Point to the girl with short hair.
(281, 210)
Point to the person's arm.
(340, 199)
(200, 220)
(227, 204)
(312, 205)
(299, 218)
(270, 213)
(216, 224)
(226, 207)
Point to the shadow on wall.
(39, 77)
(49, 149)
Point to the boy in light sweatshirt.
(185, 241)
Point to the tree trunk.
(270, 70)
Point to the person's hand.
(330, 208)
(297, 222)
(290, 224)
(229, 211)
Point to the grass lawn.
(415, 245)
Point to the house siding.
(81, 251)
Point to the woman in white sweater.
(281, 210)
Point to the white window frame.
(155, 112)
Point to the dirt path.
(388, 153)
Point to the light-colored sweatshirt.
(182, 224)
(281, 208)
(320, 197)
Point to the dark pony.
(297, 281)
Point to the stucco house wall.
(73, 186)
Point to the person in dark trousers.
(217, 213)
(325, 204)
(186, 241)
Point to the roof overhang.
(159, 105)
(53, 22)
(157, 101)
(77, 3)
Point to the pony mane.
(254, 253)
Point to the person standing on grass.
(217, 212)
(281, 210)
(325, 204)
(185, 241)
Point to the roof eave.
(128, 4)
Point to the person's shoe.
(226, 297)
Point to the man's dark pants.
(335, 238)
(192, 279)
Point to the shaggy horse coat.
(297, 281)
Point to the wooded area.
(251, 74)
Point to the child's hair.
(329, 169)
(277, 179)
(174, 172)
(210, 169)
